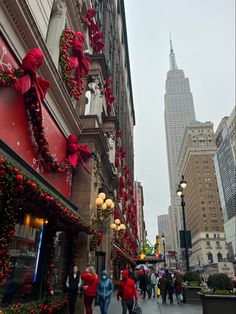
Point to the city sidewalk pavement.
(154, 306)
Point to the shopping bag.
(158, 292)
(137, 309)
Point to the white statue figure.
(111, 145)
(95, 106)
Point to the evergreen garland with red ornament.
(21, 195)
(74, 64)
(95, 241)
(46, 305)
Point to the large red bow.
(77, 153)
(30, 64)
(108, 95)
(90, 22)
(94, 34)
(79, 63)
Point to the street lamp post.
(164, 248)
(180, 192)
(118, 229)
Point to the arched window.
(210, 258)
(219, 257)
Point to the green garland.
(45, 305)
(22, 195)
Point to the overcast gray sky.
(203, 40)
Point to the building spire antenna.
(173, 64)
(171, 48)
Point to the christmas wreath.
(74, 64)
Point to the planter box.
(218, 304)
(192, 295)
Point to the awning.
(122, 253)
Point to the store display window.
(25, 254)
(58, 275)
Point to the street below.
(154, 306)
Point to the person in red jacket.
(127, 292)
(90, 282)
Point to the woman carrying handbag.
(90, 279)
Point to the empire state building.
(179, 112)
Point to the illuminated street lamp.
(105, 207)
(118, 228)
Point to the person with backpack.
(127, 292)
(73, 284)
(104, 292)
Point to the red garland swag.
(108, 95)
(74, 64)
(22, 195)
(33, 89)
(95, 36)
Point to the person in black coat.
(163, 285)
(143, 279)
(73, 284)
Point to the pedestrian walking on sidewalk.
(104, 291)
(163, 284)
(178, 289)
(143, 279)
(127, 292)
(153, 284)
(73, 284)
(90, 282)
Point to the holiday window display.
(22, 195)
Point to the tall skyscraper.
(163, 224)
(179, 112)
(226, 178)
(202, 210)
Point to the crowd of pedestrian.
(154, 284)
(89, 285)
(147, 282)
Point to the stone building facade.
(203, 210)
(226, 178)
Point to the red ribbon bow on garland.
(79, 63)
(30, 64)
(77, 153)
(108, 95)
(94, 35)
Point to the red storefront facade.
(41, 226)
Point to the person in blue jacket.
(104, 291)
